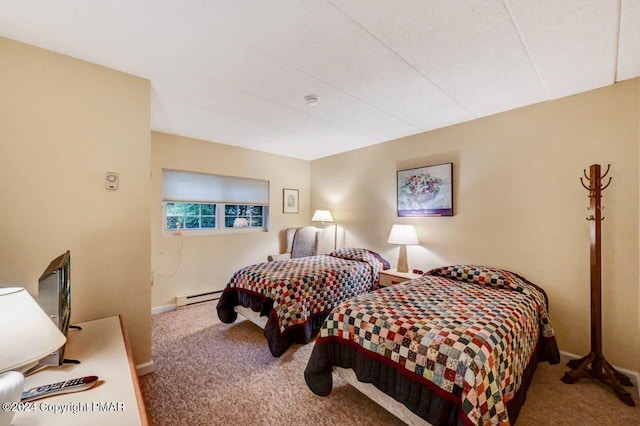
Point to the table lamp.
(27, 335)
(325, 216)
(403, 235)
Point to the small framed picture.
(426, 191)
(289, 200)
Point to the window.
(204, 202)
(238, 216)
(191, 216)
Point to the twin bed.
(458, 345)
(296, 295)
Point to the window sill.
(206, 232)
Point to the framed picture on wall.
(289, 200)
(426, 191)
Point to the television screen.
(54, 296)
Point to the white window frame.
(167, 215)
(238, 195)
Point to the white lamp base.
(11, 387)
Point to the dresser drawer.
(387, 280)
(393, 277)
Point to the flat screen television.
(54, 297)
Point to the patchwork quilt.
(466, 332)
(300, 292)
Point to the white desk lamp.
(403, 235)
(325, 216)
(27, 335)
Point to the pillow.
(359, 254)
(385, 264)
(484, 275)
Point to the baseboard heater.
(182, 301)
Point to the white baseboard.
(634, 376)
(160, 309)
(146, 368)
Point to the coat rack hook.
(606, 172)
(585, 186)
(608, 183)
(584, 172)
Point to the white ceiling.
(237, 71)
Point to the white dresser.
(103, 350)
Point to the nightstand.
(392, 276)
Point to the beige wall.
(205, 263)
(518, 200)
(63, 124)
(518, 204)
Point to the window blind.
(182, 186)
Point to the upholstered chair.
(301, 242)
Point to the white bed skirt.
(379, 397)
(252, 316)
(347, 374)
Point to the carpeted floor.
(208, 373)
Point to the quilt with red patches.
(466, 332)
(297, 293)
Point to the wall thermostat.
(111, 180)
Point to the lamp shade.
(27, 333)
(403, 234)
(322, 216)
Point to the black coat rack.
(600, 368)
